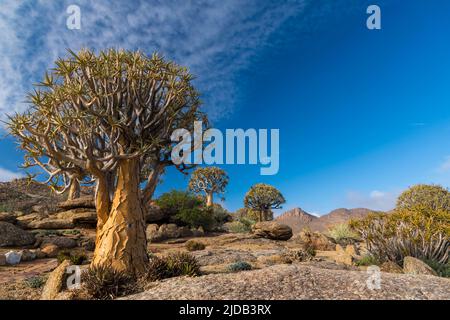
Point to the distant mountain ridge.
(299, 219)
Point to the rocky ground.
(296, 281)
(35, 234)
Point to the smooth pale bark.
(209, 199)
(74, 190)
(122, 243)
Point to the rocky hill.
(299, 219)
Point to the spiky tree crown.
(92, 110)
(263, 197)
(208, 179)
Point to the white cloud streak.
(215, 39)
(445, 166)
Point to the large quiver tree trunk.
(121, 241)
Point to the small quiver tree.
(208, 180)
(263, 198)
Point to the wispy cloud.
(6, 175)
(445, 165)
(216, 39)
(376, 200)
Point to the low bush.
(105, 283)
(367, 260)
(342, 234)
(47, 233)
(75, 257)
(189, 209)
(172, 265)
(183, 264)
(35, 282)
(6, 208)
(239, 266)
(238, 227)
(443, 270)
(197, 217)
(158, 269)
(193, 245)
(220, 215)
(419, 232)
(173, 202)
(71, 232)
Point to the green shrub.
(419, 232)
(71, 232)
(220, 215)
(239, 266)
(173, 202)
(193, 245)
(5, 207)
(367, 260)
(106, 283)
(197, 217)
(35, 282)
(242, 225)
(189, 209)
(173, 265)
(342, 233)
(238, 227)
(443, 270)
(75, 257)
(47, 233)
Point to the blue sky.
(363, 114)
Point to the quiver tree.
(108, 116)
(263, 198)
(208, 180)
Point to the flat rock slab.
(296, 281)
(82, 202)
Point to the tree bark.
(266, 215)
(122, 242)
(209, 199)
(74, 189)
(152, 182)
(102, 202)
